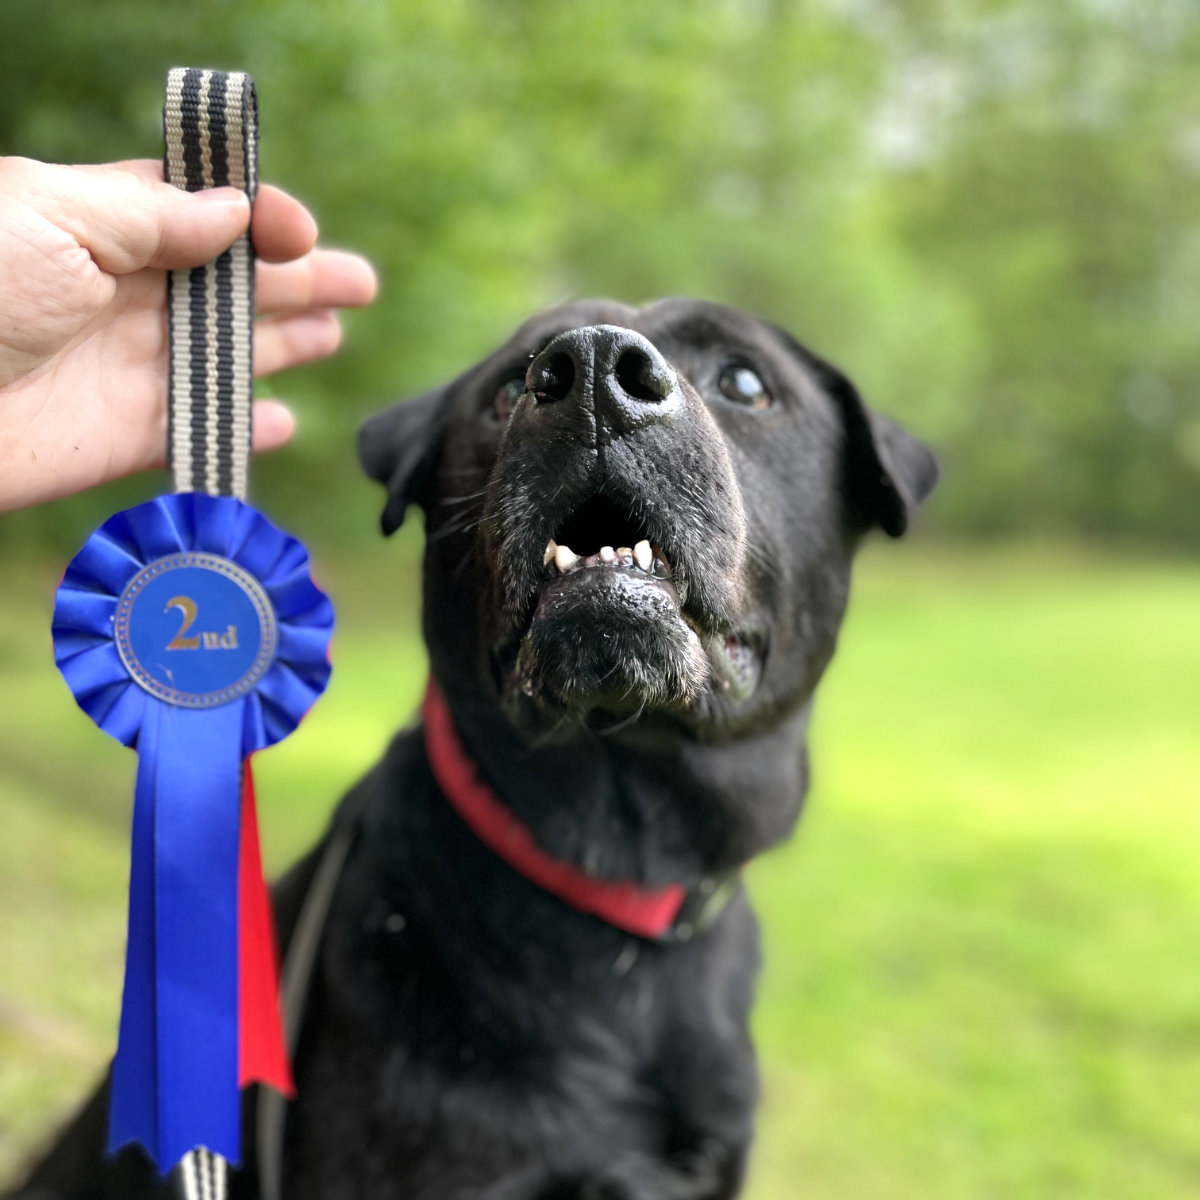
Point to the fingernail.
(221, 195)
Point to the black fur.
(468, 1035)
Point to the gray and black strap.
(210, 120)
(202, 1175)
(210, 124)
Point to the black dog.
(640, 525)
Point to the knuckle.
(19, 175)
(156, 207)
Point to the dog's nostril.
(551, 377)
(641, 377)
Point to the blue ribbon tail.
(175, 1076)
(133, 1111)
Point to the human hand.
(83, 324)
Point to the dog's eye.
(741, 385)
(507, 395)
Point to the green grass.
(983, 947)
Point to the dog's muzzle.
(615, 525)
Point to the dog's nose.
(612, 377)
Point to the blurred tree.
(1057, 152)
(979, 207)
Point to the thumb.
(128, 220)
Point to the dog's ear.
(398, 447)
(888, 473)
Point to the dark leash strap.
(298, 966)
(210, 125)
(702, 907)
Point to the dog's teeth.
(624, 552)
(607, 554)
(565, 558)
(551, 551)
(642, 555)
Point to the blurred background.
(983, 946)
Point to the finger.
(128, 220)
(295, 338)
(147, 168)
(272, 425)
(321, 279)
(283, 228)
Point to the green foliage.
(983, 209)
(980, 947)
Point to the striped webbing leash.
(201, 1175)
(210, 122)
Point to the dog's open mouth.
(609, 626)
(603, 535)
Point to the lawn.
(983, 946)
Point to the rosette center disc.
(195, 630)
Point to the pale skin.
(83, 329)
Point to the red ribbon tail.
(262, 1051)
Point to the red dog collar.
(655, 913)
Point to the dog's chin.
(612, 640)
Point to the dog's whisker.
(549, 736)
(630, 720)
(466, 558)
(765, 561)
(453, 527)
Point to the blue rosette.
(189, 628)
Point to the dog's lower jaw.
(613, 641)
